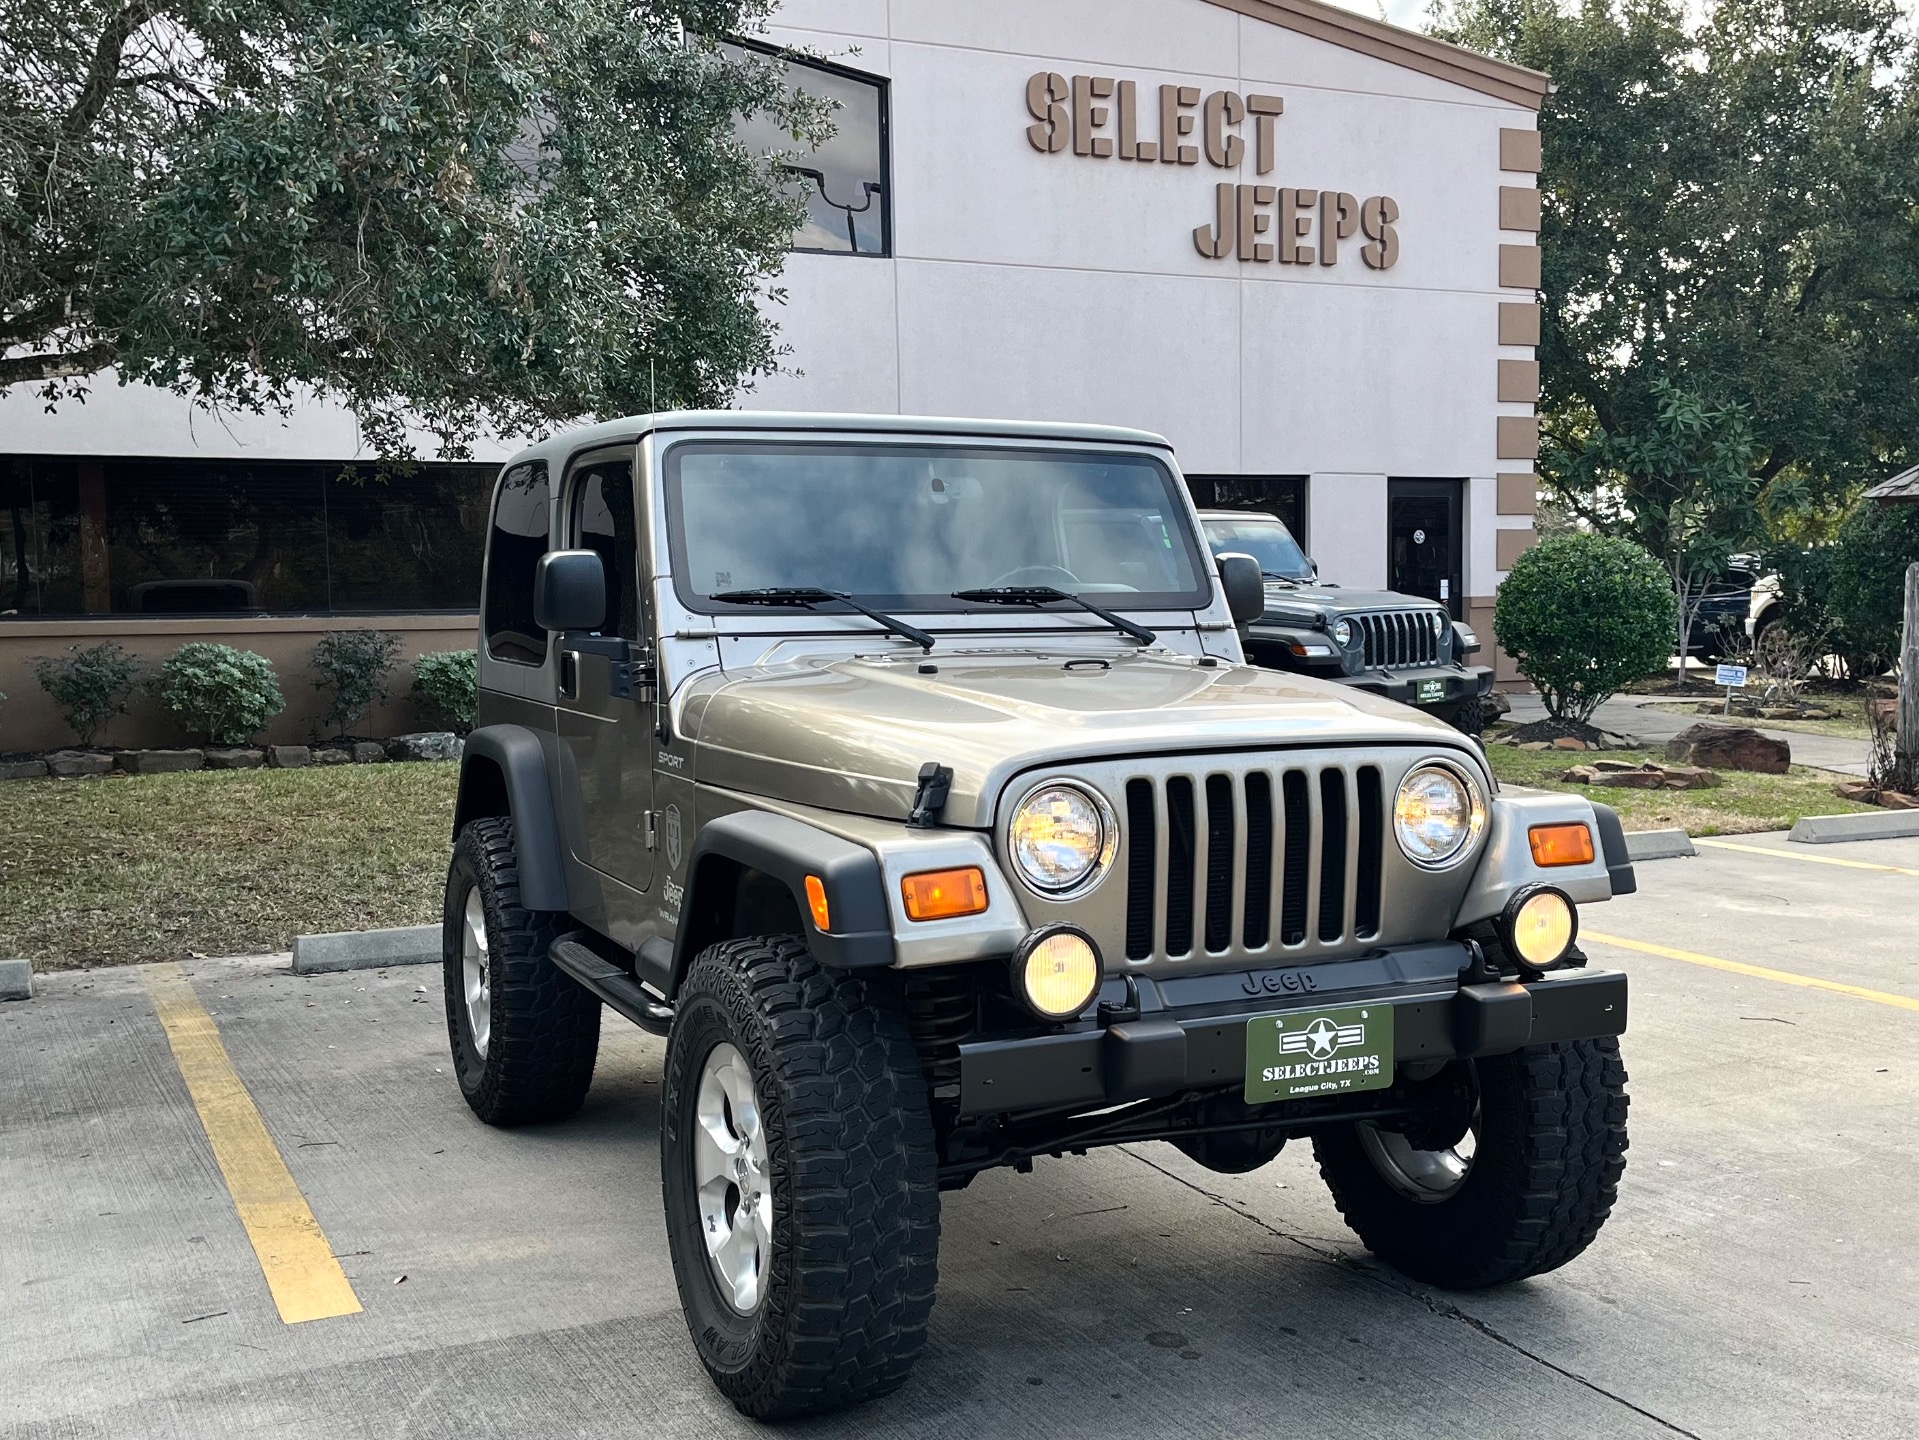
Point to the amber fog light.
(1056, 971)
(1539, 925)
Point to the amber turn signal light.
(816, 901)
(1561, 845)
(944, 894)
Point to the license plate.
(1319, 1052)
(1431, 690)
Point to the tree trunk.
(1907, 768)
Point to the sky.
(1412, 13)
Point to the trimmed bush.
(90, 685)
(353, 664)
(1868, 583)
(443, 687)
(222, 695)
(1583, 615)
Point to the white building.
(1298, 242)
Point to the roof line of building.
(1498, 78)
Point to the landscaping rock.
(369, 752)
(1893, 800)
(70, 764)
(1569, 742)
(331, 755)
(23, 769)
(1650, 776)
(161, 762)
(16, 980)
(1535, 745)
(289, 757)
(237, 758)
(424, 745)
(1884, 714)
(1493, 707)
(1730, 747)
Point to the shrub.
(1867, 582)
(223, 695)
(1583, 615)
(443, 686)
(353, 664)
(90, 685)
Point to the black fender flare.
(503, 772)
(861, 933)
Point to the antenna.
(652, 389)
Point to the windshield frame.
(1180, 516)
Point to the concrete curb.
(1830, 829)
(1658, 844)
(366, 950)
(16, 980)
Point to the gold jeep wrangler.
(907, 776)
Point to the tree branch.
(105, 68)
(70, 365)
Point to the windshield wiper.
(1044, 594)
(805, 597)
(1287, 580)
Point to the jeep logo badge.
(675, 840)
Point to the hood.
(850, 734)
(1332, 600)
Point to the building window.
(1281, 495)
(844, 182)
(194, 537)
(520, 520)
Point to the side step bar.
(612, 984)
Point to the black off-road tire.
(855, 1187)
(1551, 1149)
(545, 1026)
(1468, 718)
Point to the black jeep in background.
(1404, 647)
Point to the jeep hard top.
(907, 775)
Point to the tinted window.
(603, 521)
(907, 525)
(844, 181)
(174, 537)
(514, 547)
(1267, 541)
(1281, 496)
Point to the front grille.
(1213, 859)
(1397, 639)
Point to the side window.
(515, 543)
(604, 521)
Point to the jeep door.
(606, 719)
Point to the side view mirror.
(1245, 587)
(569, 591)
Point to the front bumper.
(1191, 1030)
(1452, 683)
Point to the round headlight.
(1342, 633)
(1437, 815)
(1056, 971)
(1062, 837)
(1438, 621)
(1540, 925)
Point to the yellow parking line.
(1808, 859)
(1760, 972)
(306, 1281)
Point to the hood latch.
(930, 798)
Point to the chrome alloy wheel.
(1427, 1176)
(476, 977)
(732, 1178)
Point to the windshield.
(1264, 538)
(904, 526)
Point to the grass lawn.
(1854, 725)
(1744, 803)
(124, 869)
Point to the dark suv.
(1404, 647)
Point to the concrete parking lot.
(1757, 1278)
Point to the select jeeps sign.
(1099, 118)
(1319, 1052)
